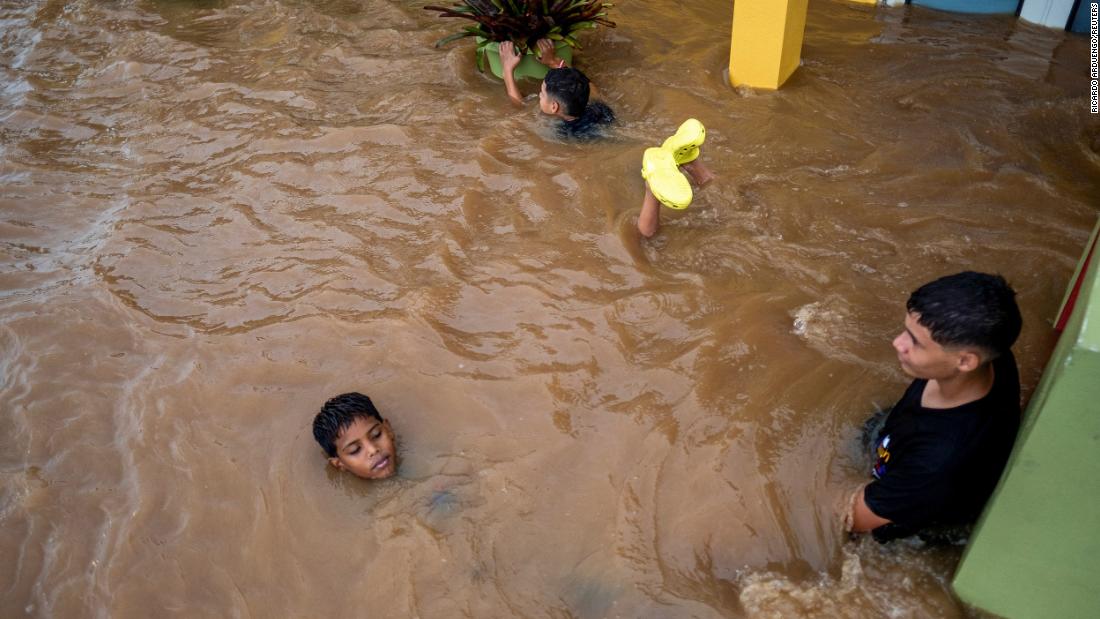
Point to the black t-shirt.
(589, 124)
(939, 466)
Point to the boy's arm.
(863, 519)
(509, 59)
(650, 217)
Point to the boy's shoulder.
(590, 123)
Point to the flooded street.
(214, 215)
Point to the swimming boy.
(355, 437)
(943, 446)
(564, 93)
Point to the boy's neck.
(960, 389)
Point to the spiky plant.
(525, 21)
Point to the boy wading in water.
(943, 446)
(564, 93)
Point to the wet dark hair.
(570, 87)
(969, 309)
(339, 413)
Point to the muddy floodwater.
(214, 215)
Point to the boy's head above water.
(564, 93)
(355, 437)
(958, 323)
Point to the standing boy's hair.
(339, 413)
(570, 87)
(969, 309)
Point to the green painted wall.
(1036, 550)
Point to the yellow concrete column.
(767, 41)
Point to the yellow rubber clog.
(684, 144)
(666, 181)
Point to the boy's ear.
(336, 464)
(968, 361)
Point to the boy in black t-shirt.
(564, 94)
(943, 446)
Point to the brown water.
(215, 215)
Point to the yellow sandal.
(684, 144)
(666, 181)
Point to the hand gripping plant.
(524, 22)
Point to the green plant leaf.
(450, 38)
(525, 21)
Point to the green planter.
(528, 67)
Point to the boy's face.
(546, 103)
(922, 357)
(366, 449)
